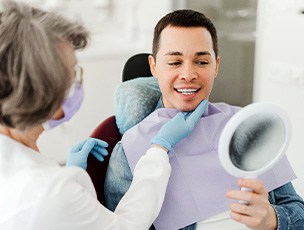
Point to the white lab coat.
(36, 193)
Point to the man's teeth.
(187, 91)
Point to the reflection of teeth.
(187, 91)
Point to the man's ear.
(152, 64)
(218, 60)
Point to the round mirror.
(254, 140)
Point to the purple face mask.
(70, 107)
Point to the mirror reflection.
(257, 141)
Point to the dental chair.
(106, 131)
(135, 66)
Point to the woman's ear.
(58, 114)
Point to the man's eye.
(174, 63)
(202, 62)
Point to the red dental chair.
(136, 66)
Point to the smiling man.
(185, 70)
(185, 62)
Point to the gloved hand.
(78, 155)
(179, 127)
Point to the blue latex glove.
(179, 127)
(78, 155)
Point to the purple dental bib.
(198, 183)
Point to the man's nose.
(188, 73)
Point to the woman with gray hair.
(40, 88)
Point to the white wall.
(279, 69)
(116, 36)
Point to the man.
(185, 62)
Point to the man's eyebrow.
(177, 53)
(203, 53)
(173, 53)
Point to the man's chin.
(184, 106)
(187, 108)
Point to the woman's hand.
(78, 155)
(179, 127)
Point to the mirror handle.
(247, 189)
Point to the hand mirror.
(254, 140)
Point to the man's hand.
(258, 213)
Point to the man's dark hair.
(184, 18)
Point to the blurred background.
(260, 44)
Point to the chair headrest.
(134, 100)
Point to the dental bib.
(198, 183)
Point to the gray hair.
(34, 76)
